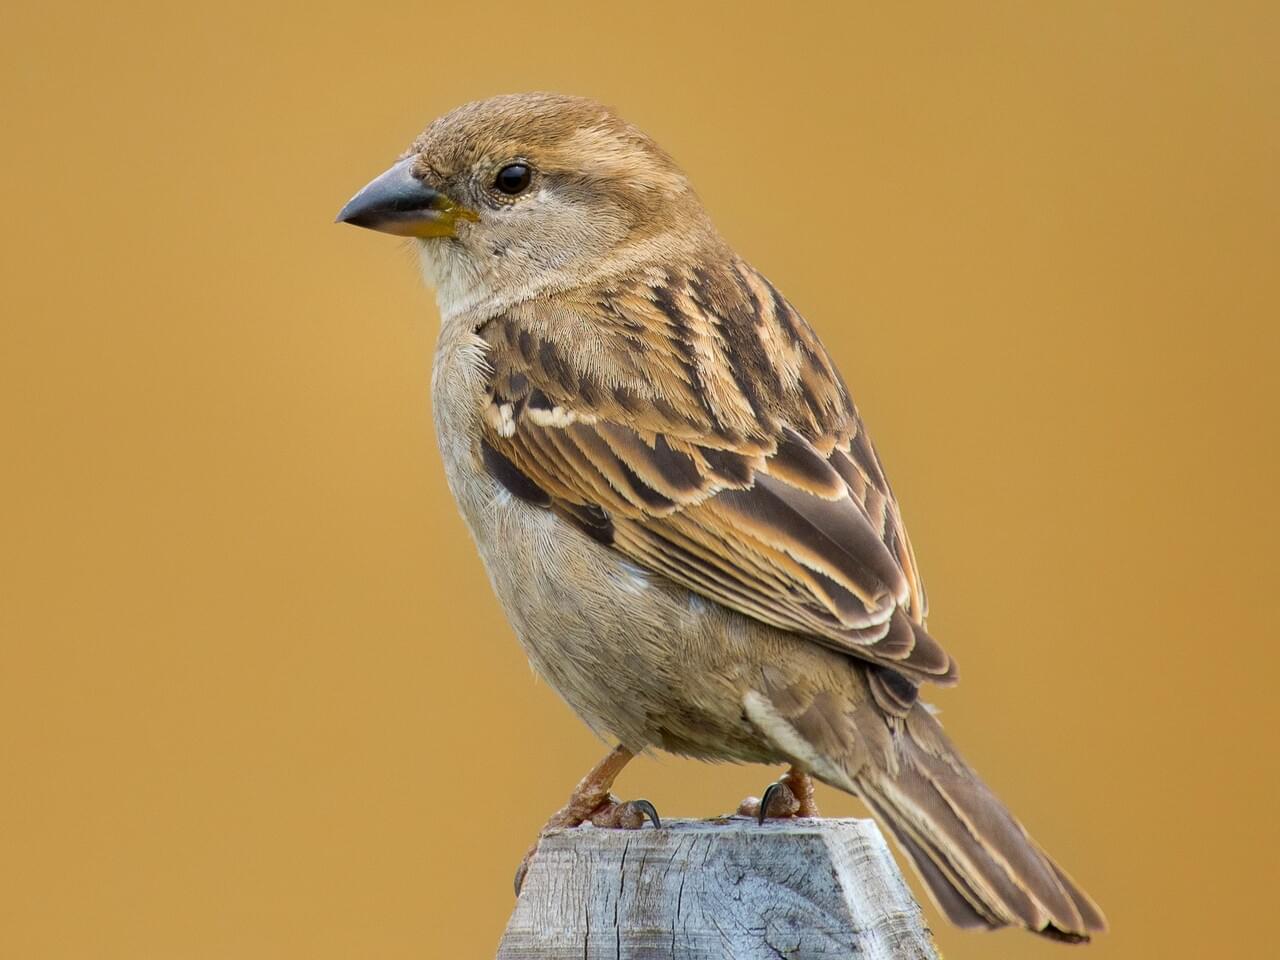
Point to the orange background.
(256, 700)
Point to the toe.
(625, 816)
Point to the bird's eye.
(513, 178)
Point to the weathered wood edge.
(726, 888)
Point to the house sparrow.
(674, 495)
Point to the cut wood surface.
(728, 888)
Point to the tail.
(978, 862)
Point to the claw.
(649, 810)
(779, 795)
(518, 880)
(770, 792)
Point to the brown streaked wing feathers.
(695, 424)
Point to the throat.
(476, 288)
(459, 286)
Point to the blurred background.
(256, 699)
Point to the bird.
(676, 499)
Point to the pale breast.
(635, 656)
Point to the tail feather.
(1089, 911)
(977, 861)
(954, 897)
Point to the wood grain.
(703, 889)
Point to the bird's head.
(518, 194)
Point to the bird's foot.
(790, 796)
(628, 815)
(591, 801)
(611, 813)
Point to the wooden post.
(725, 889)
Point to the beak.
(398, 202)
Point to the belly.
(636, 657)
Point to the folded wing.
(695, 424)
